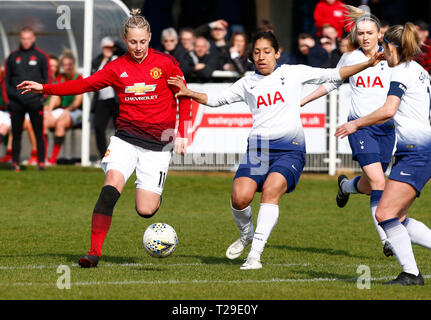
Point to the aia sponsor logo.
(369, 82)
(269, 100)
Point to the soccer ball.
(160, 240)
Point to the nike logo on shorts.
(405, 174)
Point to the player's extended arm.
(316, 94)
(348, 71)
(95, 82)
(183, 91)
(381, 115)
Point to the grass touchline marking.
(170, 282)
(197, 264)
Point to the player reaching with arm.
(408, 102)
(371, 146)
(275, 154)
(145, 126)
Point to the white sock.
(401, 245)
(350, 186)
(374, 201)
(419, 233)
(266, 221)
(243, 221)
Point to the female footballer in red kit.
(144, 128)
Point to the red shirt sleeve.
(184, 107)
(99, 80)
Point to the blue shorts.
(414, 169)
(373, 144)
(257, 165)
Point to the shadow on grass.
(328, 251)
(214, 260)
(72, 258)
(8, 167)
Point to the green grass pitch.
(313, 253)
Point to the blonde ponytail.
(136, 20)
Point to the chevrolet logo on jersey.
(140, 88)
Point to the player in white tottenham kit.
(276, 145)
(408, 102)
(371, 146)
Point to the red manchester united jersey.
(148, 106)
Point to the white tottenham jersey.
(274, 102)
(411, 83)
(369, 88)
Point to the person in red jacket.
(145, 126)
(330, 12)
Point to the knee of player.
(272, 192)
(146, 211)
(240, 200)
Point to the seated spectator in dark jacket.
(329, 42)
(187, 39)
(206, 60)
(216, 32)
(171, 45)
(239, 53)
(308, 52)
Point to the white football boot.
(238, 247)
(251, 264)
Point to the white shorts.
(76, 114)
(5, 118)
(151, 166)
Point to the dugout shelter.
(78, 25)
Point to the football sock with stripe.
(351, 186)
(419, 233)
(401, 245)
(243, 220)
(266, 221)
(102, 217)
(374, 201)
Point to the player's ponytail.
(136, 20)
(405, 39)
(410, 42)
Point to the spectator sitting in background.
(54, 65)
(172, 46)
(325, 42)
(334, 54)
(187, 39)
(308, 53)
(63, 112)
(383, 28)
(216, 32)
(329, 12)
(425, 59)
(218, 36)
(345, 44)
(207, 60)
(239, 53)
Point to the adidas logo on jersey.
(124, 75)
